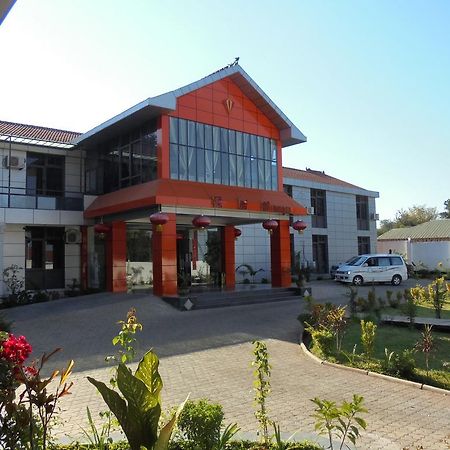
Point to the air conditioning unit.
(13, 162)
(374, 216)
(73, 236)
(310, 210)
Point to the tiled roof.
(315, 176)
(434, 229)
(20, 132)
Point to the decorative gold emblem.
(229, 104)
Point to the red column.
(84, 257)
(228, 248)
(164, 252)
(116, 254)
(280, 255)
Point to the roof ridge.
(38, 126)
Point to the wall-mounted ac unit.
(13, 162)
(310, 210)
(73, 236)
(374, 216)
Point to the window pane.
(192, 164)
(246, 141)
(208, 137)
(191, 133)
(273, 147)
(232, 141)
(266, 148)
(216, 138)
(174, 161)
(182, 131)
(253, 145)
(239, 143)
(267, 175)
(261, 176)
(200, 164)
(260, 141)
(247, 173)
(240, 171)
(225, 168)
(224, 140)
(274, 177)
(200, 135)
(254, 168)
(233, 174)
(216, 168)
(208, 166)
(182, 162)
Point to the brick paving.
(207, 353)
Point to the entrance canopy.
(183, 196)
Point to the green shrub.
(368, 330)
(5, 324)
(200, 424)
(399, 364)
(323, 340)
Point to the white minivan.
(379, 268)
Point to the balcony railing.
(13, 197)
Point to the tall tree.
(446, 213)
(410, 217)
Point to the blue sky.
(368, 82)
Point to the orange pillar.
(280, 255)
(228, 246)
(116, 254)
(164, 252)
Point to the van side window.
(396, 261)
(384, 262)
(372, 262)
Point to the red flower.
(15, 350)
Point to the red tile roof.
(315, 176)
(32, 132)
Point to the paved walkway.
(208, 354)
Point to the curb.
(422, 386)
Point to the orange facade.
(223, 104)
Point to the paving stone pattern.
(208, 353)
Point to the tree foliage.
(446, 213)
(410, 217)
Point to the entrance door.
(44, 258)
(320, 252)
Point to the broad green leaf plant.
(138, 409)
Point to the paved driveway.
(208, 354)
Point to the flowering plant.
(26, 412)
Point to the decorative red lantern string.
(158, 220)
(201, 222)
(101, 229)
(299, 226)
(237, 233)
(270, 225)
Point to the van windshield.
(356, 261)
(350, 261)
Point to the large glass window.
(205, 153)
(319, 203)
(128, 159)
(362, 212)
(363, 245)
(45, 174)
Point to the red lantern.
(201, 222)
(299, 226)
(101, 228)
(159, 219)
(270, 225)
(237, 233)
(180, 236)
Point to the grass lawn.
(397, 339)
(423, 310)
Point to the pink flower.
(15, 350)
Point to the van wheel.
(358, 280)
(396, 280)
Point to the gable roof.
(315, 176)
(32, 134)
(433, 230)
(164, 103)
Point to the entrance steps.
(220, 299)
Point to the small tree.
(368, 330)
(426, 344)
(410, 308)
(440, 290)
(261, 386)
(337, 324)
